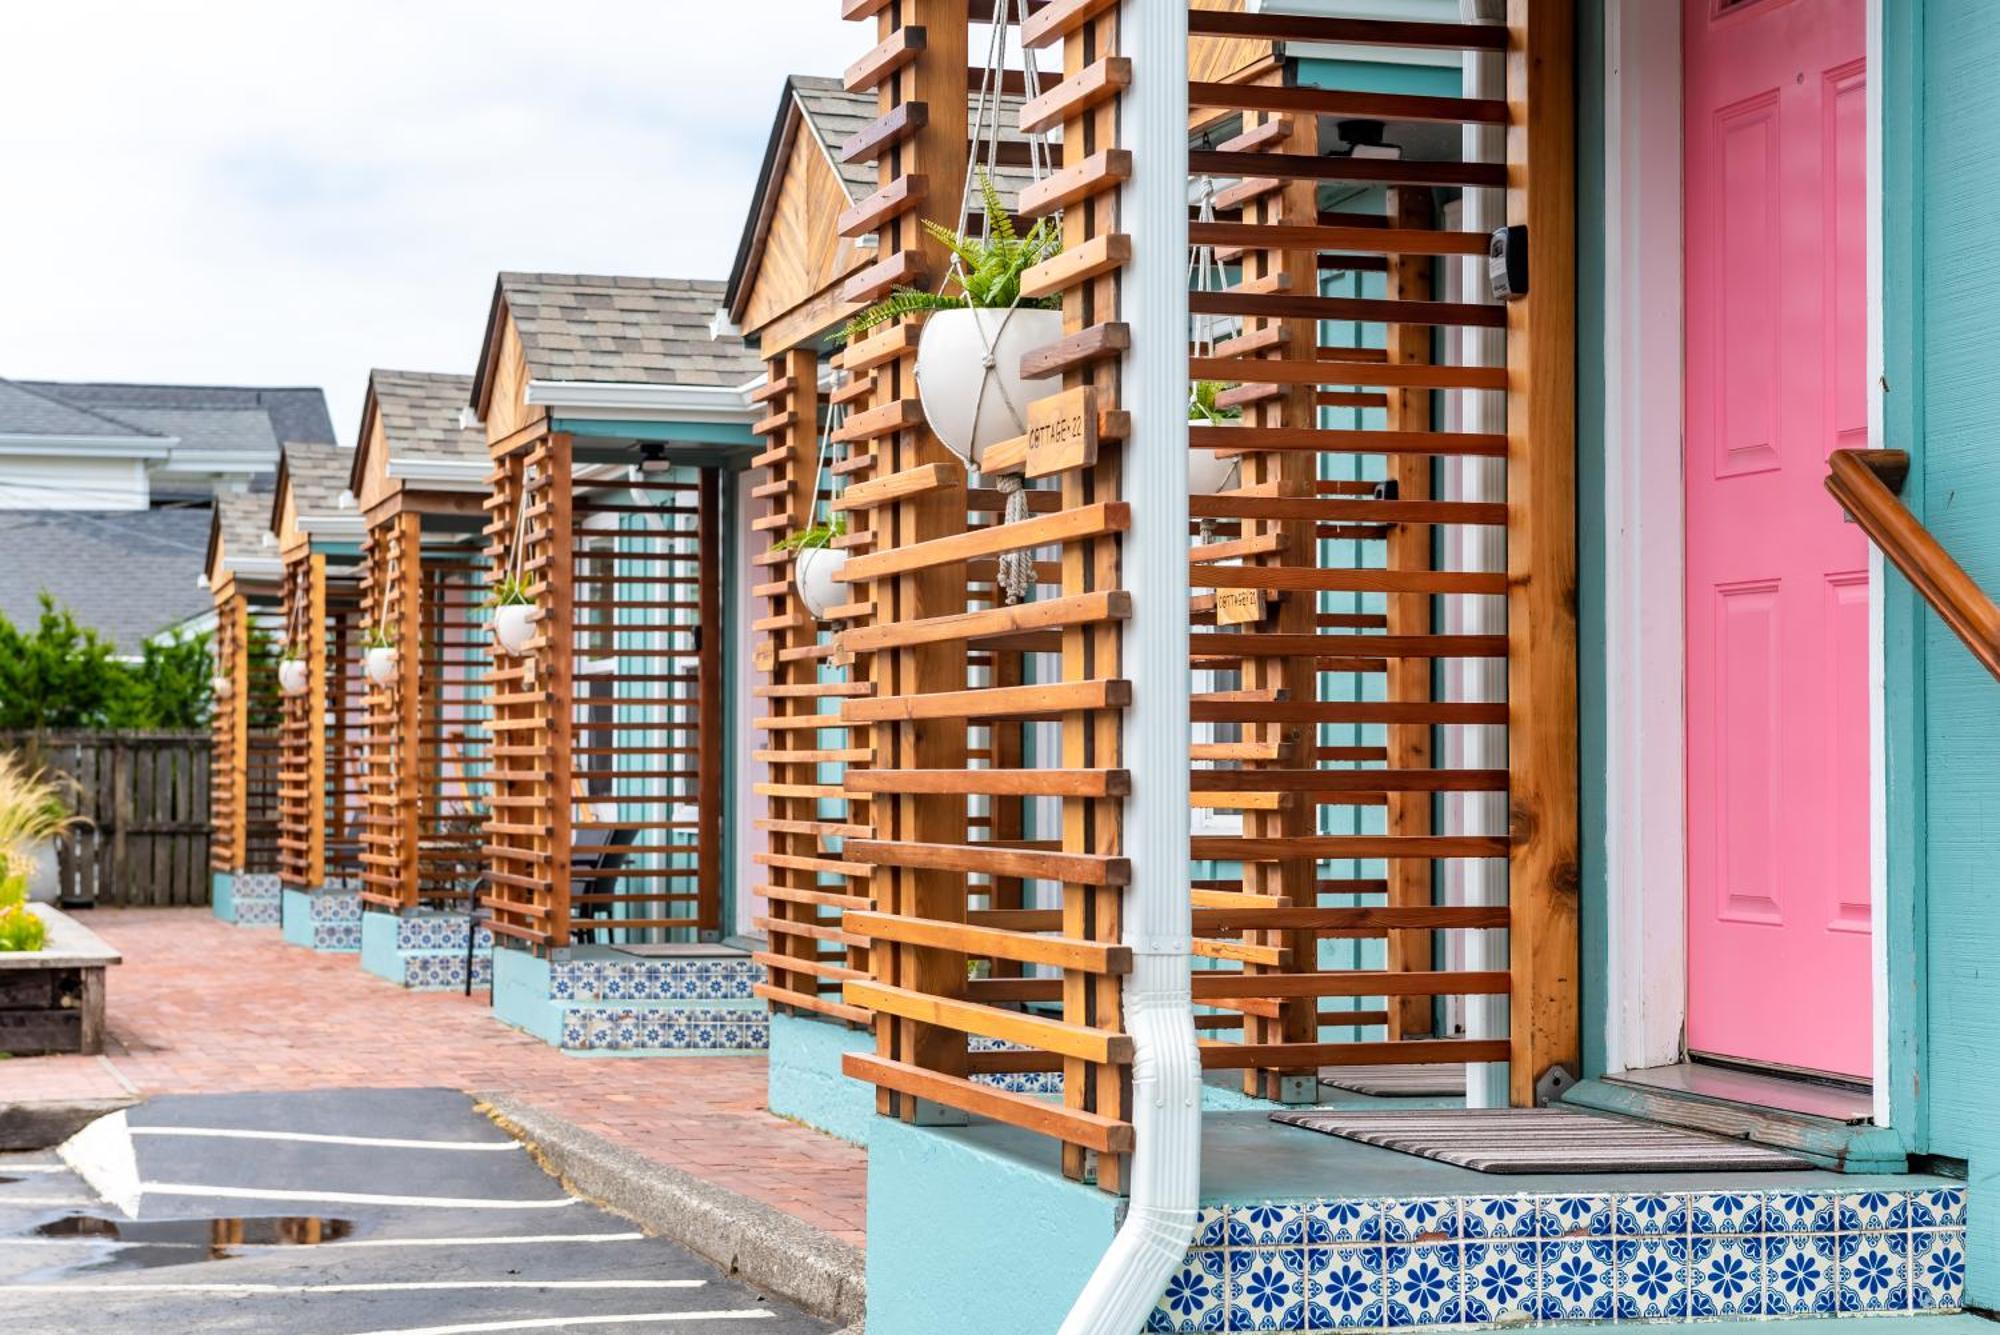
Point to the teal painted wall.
(222, 895)
(805, 1083)
(1943, 106)
(951, 1215)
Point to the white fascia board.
(333, 526)
(220, 461)
(442, 474)
(115, 447)
(254, 567)
(658, 403)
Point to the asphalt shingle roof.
(318, 475)
(837, 115)
(27, 411)
(654, 331)
(243, 518)
(125, 574)
(420, 411)
(295, 414)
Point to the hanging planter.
(1209, 471)
(816, 566)
(514, 615)
(378, 658)
(220, 685)
(292, 678)
(969, 353)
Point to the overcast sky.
(288, 192)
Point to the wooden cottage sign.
(1062, 432)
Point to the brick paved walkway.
(202, 1007)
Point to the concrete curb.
(44, 1124)
(766, 1248)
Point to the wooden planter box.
(52, 1000)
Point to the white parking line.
(46, 1202)
(315, 1138)
(9, 1169)
(505, 1240)
(349, 1197)
(567, 1322)
(386, 1286)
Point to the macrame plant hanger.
(835, 415)
(1017, 568)
(1205, 275)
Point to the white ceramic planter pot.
(514, 626)
(951, 358)
(816, 576)
(1209, 472)
(221, 686)
(380, 664)
(292, 676)
(45, 881)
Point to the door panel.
(1776, 593)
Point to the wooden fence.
(145, 796)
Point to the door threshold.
(1758, 1089)
(1826, 1124)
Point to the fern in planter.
(989, 267)
(379, 637)
(819, 535)
(1202, 406)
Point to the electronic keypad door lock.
(1507, 262)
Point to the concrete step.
(1843, 1143)
(712, 974)
(731, 1025)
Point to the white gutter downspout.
(1165, 1175)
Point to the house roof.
(293, 413)
(127, 574)
(239, 520)
(26, 411)
(593, 328)
(834, 115)
(316, 475)
(420, 413)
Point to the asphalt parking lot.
(338, 1212)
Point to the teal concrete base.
(324, 920)
(969, 1236)
(521, 994)
(378, 945)
(222, 895)
(805, 1082)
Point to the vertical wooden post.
(407, 602)
(1541, 546)
(1409, 678)
(710, 689)
(558, 686)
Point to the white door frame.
(1645, 556)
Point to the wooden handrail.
(1867, 483)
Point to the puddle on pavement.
(146, 1243)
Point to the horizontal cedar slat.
(1083, 1042)
(1088, 1129)
(1033, 864)
(1027, 947)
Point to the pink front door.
(1777, 584)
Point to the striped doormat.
(1398, 1082)
(1543, 1140)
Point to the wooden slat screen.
(319, 778)
(263, 742)
(425, 740)
(605, 778)
(229, 728)
(809, 813)
(996, 779)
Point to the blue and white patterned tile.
(1268, 1223)
(1875, 1277)
(1264, 1284)
(1210, 1225)
(1651, 1214)
(1725, 1212)
(1795, 1211)
(1346, 1282)
(1423, 1283)
(1421, 1219)
(1871, 1211)
(1500, 1280)
(1194, 1299)
(1576, 1284)
(1345, 1220)
(1796, 1279)
(1931, 1207)
(1653, 1282)
(1937, 1270)
(1573, 1216)
(1725, 1275)
(1499, 1217)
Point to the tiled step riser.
(439, 934)
(655, 980)
(256, 899)
(439, 971)
(1503, 1260)
(675, 1029)
(259, 912)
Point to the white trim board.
(1645, 635)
